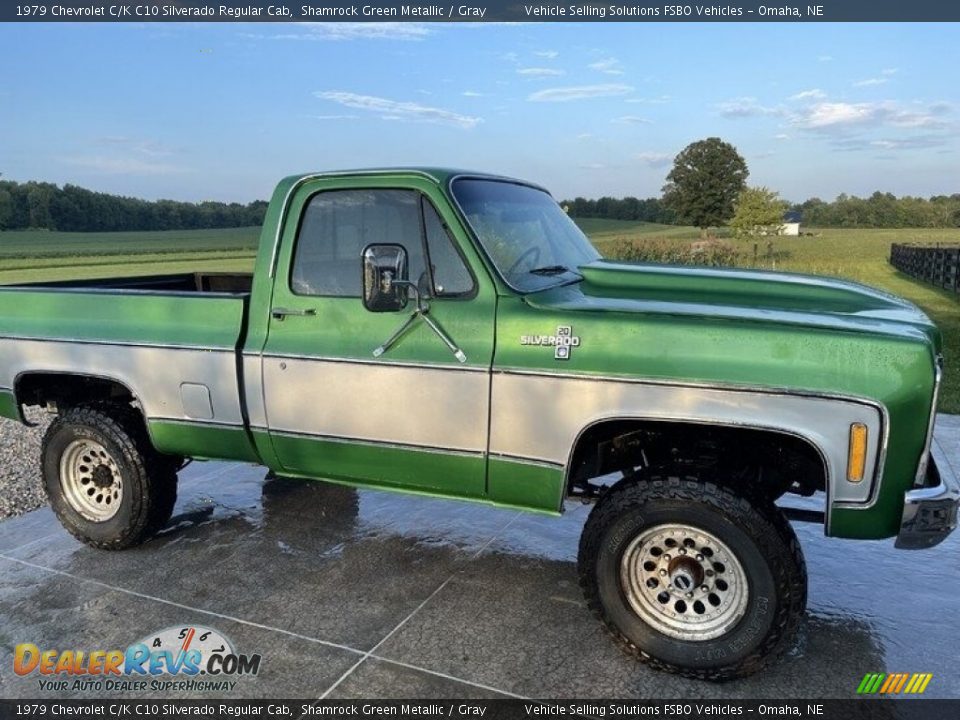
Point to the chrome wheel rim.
(91, 480)
(684, 582)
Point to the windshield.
(529, 238)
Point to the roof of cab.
(439, 175)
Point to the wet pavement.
(348, 593)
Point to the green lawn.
(855, 254)
(859, 255)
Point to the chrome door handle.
(281, 313)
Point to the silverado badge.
(562, 343)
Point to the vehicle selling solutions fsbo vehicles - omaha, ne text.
(456, 334)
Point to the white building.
(791, 224)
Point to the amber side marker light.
(857, 459)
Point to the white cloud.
(889, 71)
(911, 143)
(838, 114)
(661, 100)
(744, 107)
(398, 110)
(632, 120)
(825, 116)
(655, 159)
(580, 92)
(870, 82)
(584, 136)
(335, 31)
(814, 94)
(471, 93)
(335, 117)
(781, 136)
(145, 147)
(825, 58)
(593, 166)
(547, 54)
(539, 72)
(110, 165)
(610, 66)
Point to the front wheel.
(106, 483)
(693, 578)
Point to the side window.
(338, 224)
(450, 274)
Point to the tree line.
(883, 210)
(39, 205)
(650, 210)
(880, 210)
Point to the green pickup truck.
(455, 334)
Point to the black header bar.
(480, 11)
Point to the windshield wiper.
(554, 270)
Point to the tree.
(706, 178)
(758, 211)
(6, 208)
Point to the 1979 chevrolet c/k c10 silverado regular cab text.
(455, 334)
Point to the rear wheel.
(104, 480)
(693, 578)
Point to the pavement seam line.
(211, 613)
(447, 676)
(417, 609)
(32, 542)
(385, 638)
(258, 626)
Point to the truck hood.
(752, 295)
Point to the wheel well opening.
(773, 462)
(58, 391)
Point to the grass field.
(859, 255)
(35, 256)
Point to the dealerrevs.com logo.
(179, 658)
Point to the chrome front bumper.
(930, 512)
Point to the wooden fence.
(938, 264)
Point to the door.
(415, 416)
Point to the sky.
(200, 111)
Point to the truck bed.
(172, 341)
(198, 282)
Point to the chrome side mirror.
(385, 284)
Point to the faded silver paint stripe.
(374, 443)
(733, 387)
(379, 363)
(153, 374)
(528, 461)
(182, 421)
(405, 405)
(542, 417)
(121, 343)
(252, 368)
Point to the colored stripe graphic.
(894, 683)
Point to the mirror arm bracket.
(422, 312)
